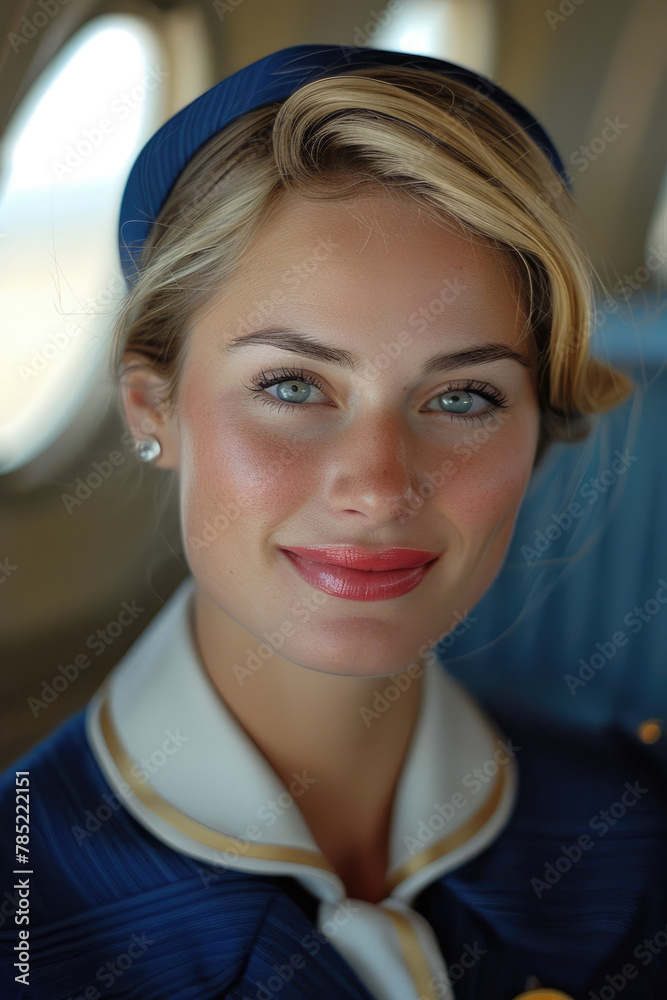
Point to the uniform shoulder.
(105, 899)
(86, 845)
(565, 757)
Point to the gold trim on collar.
(275, 852)
(414, 956)
(449, 843)
(185, 824)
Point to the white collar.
(191, 775)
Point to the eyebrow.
(299, 343)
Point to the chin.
(360, 648)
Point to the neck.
(306, 719)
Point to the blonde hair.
(454, 151)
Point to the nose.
(372, 474)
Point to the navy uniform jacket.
(570, 893)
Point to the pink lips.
(359, 575)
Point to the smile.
(357, 584)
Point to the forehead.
(372, 261)
(376, 222)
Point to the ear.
(143, 397)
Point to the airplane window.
(65, 157)
(655, 251)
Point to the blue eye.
(294, 387)
(456, 401)
(290, 391)
(469, 401)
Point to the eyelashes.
(266, 379)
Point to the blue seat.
(575, 623)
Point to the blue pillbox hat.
(272, 78)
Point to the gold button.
(650, 730)
(544, 994)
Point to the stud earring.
(147, 451)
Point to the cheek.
(226, 460)
(490, 477)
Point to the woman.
(279, 791)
